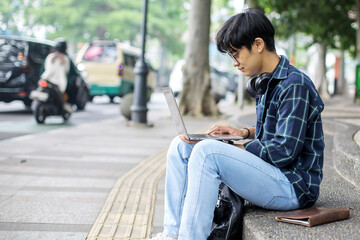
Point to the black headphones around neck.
(257, 85)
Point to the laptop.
(180, 125)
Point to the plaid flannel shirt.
(289, 132)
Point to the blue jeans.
(193, 176)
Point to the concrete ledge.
(357, 138)
(347, 153)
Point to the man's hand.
(182, 137)
(222, 129)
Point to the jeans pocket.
(282, 203)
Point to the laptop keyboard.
(215, 136)
(199, 135)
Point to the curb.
(128, 211)
(347, 160)
(357, 138)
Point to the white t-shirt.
(57, 66)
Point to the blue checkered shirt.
(289, 132)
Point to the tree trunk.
(320, 76)
(196, 98)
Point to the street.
(16, 120)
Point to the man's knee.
(202, 152)
(206, 146)
(175, 141)
(178, 149)
(176, 144)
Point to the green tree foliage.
(329, 22)
(83, 20)
(168, 20)
(10, 12)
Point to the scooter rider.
(57, 66)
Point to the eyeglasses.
(235, 56)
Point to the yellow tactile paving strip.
(129, 209)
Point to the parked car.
(21, 65)
(219, 81)
(110, 68)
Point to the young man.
(280, 169)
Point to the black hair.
(60, 45)
(242, 29)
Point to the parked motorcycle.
(48, 101)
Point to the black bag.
(228, 216)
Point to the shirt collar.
(282, 68)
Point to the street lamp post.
(139, 108)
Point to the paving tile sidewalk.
(129, 210)
(54, 184)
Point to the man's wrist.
(248, 133)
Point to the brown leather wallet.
(314, 216)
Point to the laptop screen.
(175, 112)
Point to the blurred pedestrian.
(280, 168)
(57, 66)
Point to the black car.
(21, 64)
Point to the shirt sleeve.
(48, 71)
(291, 124)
